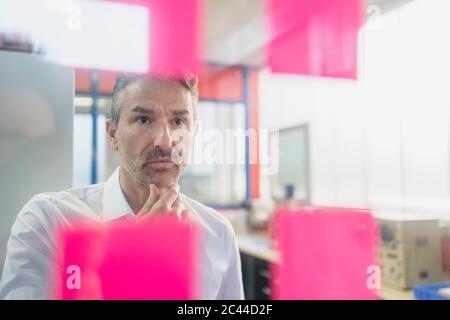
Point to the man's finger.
(176, 207)
(186, 215)
(166, 200)
(186, 218)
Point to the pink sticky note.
(327, 253)
(175, 34)
(128, 260)
(317, 38)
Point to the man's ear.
(111, 131)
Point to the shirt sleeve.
(29, 256)
(232, 286)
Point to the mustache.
(158, 153)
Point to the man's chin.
(161, 178)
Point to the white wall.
(382, 141)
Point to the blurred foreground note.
(327, 253)
(175, 34)
(317, 38)
(128, 260)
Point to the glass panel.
(217, 173)
(36, 118)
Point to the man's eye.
(180, 122)
(143, 120)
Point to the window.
(217, 174)
(83, 141)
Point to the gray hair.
(187, 80)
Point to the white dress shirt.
(32, 242)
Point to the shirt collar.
(115, 205)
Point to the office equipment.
(445, 244)
(293, 172)
(435, 291)
(409, 250)
(259, 213)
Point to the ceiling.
(235, 29)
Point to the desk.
(259, 246)
(257, 253)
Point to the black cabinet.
(257, 277)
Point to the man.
(152, 125)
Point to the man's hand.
(163, 201)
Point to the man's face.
(155, 131)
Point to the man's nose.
(163, 137)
